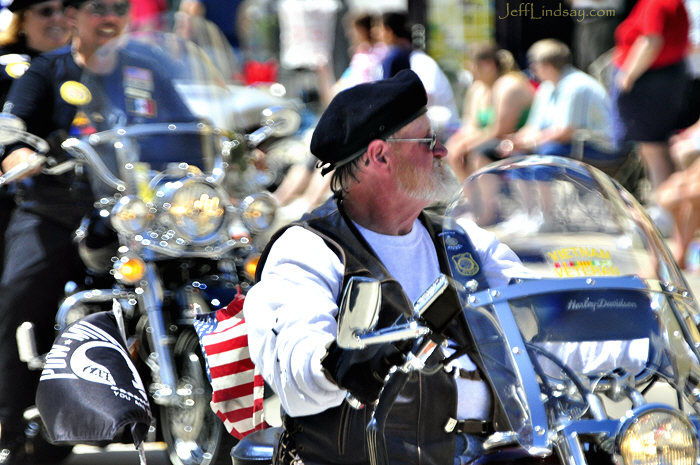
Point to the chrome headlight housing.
(658, 435)
(196, 208)
(130, 215)
(258, 211)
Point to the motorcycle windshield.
(156, 96)
(601, 296)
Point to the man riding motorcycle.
(57, 98)
(388, 169)
(40, 256)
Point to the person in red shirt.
(650, 79)
(146, 11)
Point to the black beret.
(18, 5)
(358, 115)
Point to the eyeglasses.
(48, 11)
(102, 9)
(431, 141)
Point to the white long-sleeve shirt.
(291, 313)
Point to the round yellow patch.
(75, 93)
(17, 69)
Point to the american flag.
(238, 387)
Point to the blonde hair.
(505, 63)
(12, 33)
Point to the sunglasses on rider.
(431, 141)
(102, 9)
(47, 11)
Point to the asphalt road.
(117, 454)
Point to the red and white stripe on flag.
(238, 387)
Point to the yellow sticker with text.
(579, 261)
(75, 93)
(16, 69)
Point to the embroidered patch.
(142, 107)
(138, 78)
(465, 264)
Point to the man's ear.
(376, 152)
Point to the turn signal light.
(250, 265)
(132, 270)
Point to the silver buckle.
(450, 425)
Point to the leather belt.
(479, 427)
(472, 375)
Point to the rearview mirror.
(359, 311)
(282, 121)
(275, 122)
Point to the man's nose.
(439, 151)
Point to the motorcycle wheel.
(193, 433)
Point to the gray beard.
(441, 186)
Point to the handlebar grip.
(375, 428)
(22, 169)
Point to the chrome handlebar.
(12, 130)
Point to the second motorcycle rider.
(388, 169)
(41, 256)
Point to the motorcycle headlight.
(658, 436)
(258, 211)
(130, 215)
(197, 210)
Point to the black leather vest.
(415, 432)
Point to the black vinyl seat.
(257, 448)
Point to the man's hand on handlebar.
(20, 156)
(362, 372)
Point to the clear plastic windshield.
(601, 297)
(564, 219)
(154, 97)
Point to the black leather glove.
(55, 139)
(361, 372)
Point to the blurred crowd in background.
(610, 82)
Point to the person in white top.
(436, 84)
(396, 33)
(387, 168)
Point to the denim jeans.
(467, 448)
